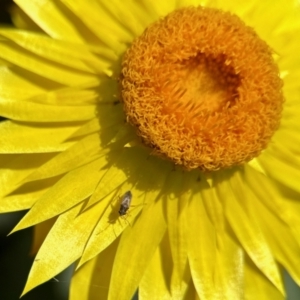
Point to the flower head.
(152, 137)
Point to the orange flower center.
(202, 89)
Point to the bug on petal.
(125, 203)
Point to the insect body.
(125, 203)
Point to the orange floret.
(202, 89)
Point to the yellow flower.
(177, 103)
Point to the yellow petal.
(63, 245)
(91, 281)
(67, 192)
(291, 92)
(110, 118)
(287, 142)
(35, 112)
(83, 285)
(242, 9)
(286, 252)
(238, 202)
(16, 84)
(130, 261)
(26, 196)
(128, 11)
(283, 199)
(280, 170)
(70, 159)
(67, 97)
(162, 8)
(153, 281)
(21, 20)
(257, 286)
(255, 180)
(18, 202)
(110, 224)
(184, 3)
(14, 168)
(229, 274)
(89, 13)
(191, 292)
(275, 14)
(282, 151)
(73, 55)
(201, 244)
(52, 18)
(32, 138)
(119, 171)
(40, 232)
(213, 205)
(40, 66)
(176, 199)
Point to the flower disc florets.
(202, 89)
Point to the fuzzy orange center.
(202, 89)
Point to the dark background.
(4, 15)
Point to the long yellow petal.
(287, 253)
(17, 168)
(130, 261)
(153, 281)
(184, 3)
(128, 11)
(67, 97)
(175, 201)
(162, 8)
(201, 244)
(282, 199)
(31, 138)
(42, 67)
(35, 112)
(257, 286)
(213, 205)
(67, 192)
(91, 281)
(26, 196)
(119, 171)
(89, 13)
(229, 273)
(63, 245)
(287, 142)
(40, 232)
(110, 118)
(70, 159)
(269, 195)
(248, 231)
(21, 20)
(82, 283)
(110, 224)
(280, 170)
(16, 84)
(281, 150)
(76, 56)
(53, 19)
(19, 202)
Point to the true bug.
(125, 203)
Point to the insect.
(125, 203)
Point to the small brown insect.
(125, 203)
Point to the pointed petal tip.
(26, 289)
(80, 263)
(16, 228)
